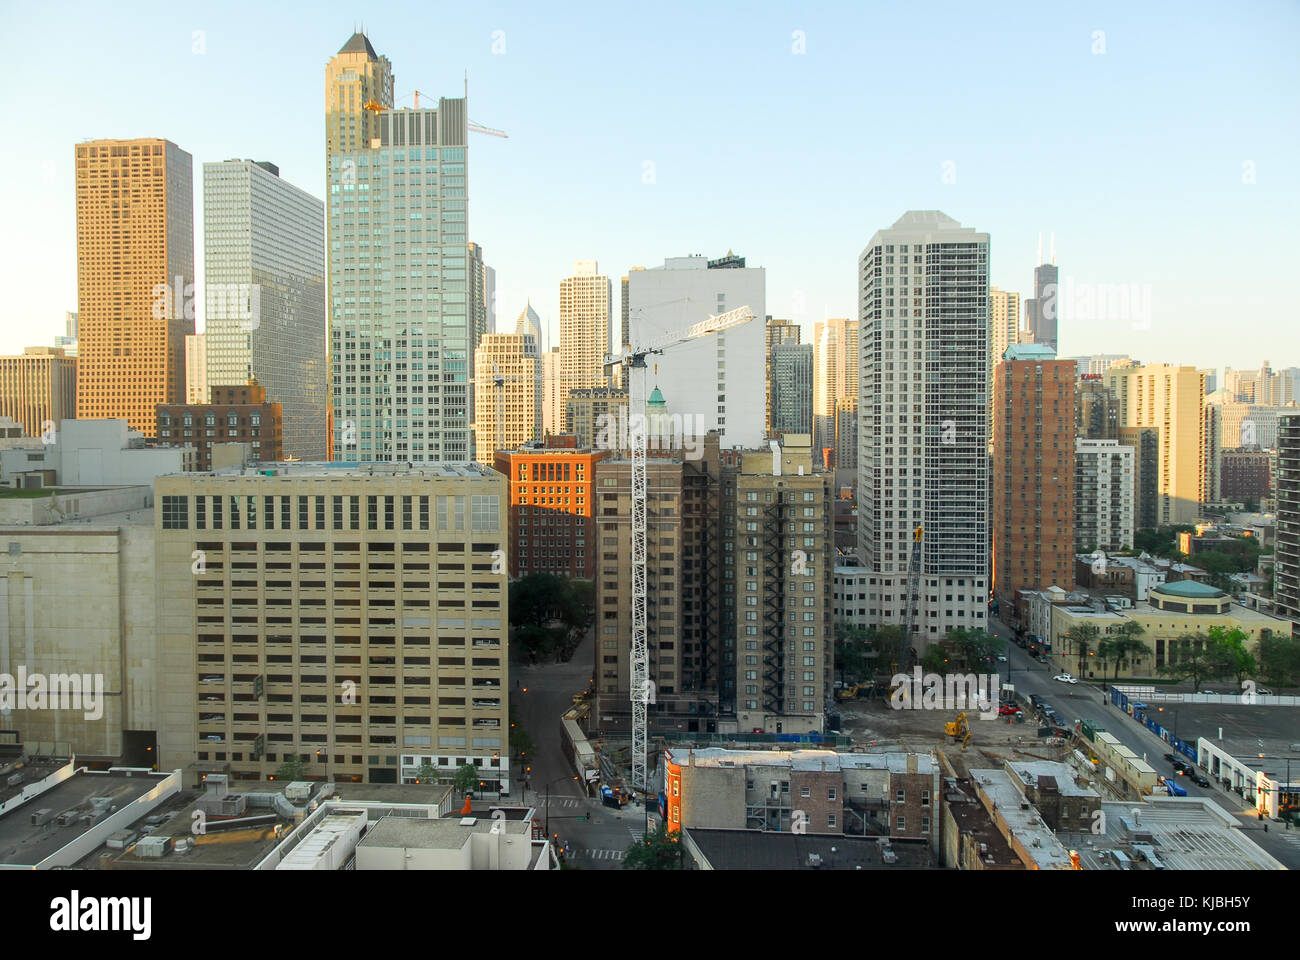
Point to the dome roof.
(1190, 589)
(656, 399)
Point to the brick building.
(237, 414)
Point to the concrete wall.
(715, 796)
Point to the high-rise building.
(792, 388)
(1004, 331)
(1103, 496)
(134, 287)
(1145, 443)
(508, 386)
(553, 400)
(482, 281)
(235, 414)
(1286, 589)
(1034, 467)
(923, 295)
(1245, 475)
(399, 306)
(1096, 409)
(585, 300)
(264, 294)
(1041, 309)
(1099, 363)
(196, 368)
(835, 376)
(590, 413)
(552, 505)
(846, 433)
(38, 389)
(355, 76)
(778, 332)
(1263, 387)
(68, 342)
(292, 635)
(625, 330)
(1170, 398)
(713, 379)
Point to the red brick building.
(1033, 472)
(237, 414)
(1245, 475)
(551, 493)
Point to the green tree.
(1083, 640)
(1125, 644)
(1189, 659)
(935, 660)
(851, 651)
(1279, 659)
(291, 768)
(655, 851)
(426, 774)
(1229, 647)
(466, 779)
(521, 744)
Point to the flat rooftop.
(759, 850)
(26, 845)
(1024, 822)
(973, 820)
(448, 833)
(1183, 833)
(348, 468)
(1030, 770)
(813, 760)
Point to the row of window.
(219, 512)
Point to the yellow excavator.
(848, 693)
(958, 729)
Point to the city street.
(1087, 701)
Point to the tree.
(291, 769)
(1189, 660)
(851, 649)
(1083, 639)
(1125, 644)
(934, 660)
(1228, 646)
(521, 744)
(655, 851)
(1279, 658)
(426, 774)
(466, 779)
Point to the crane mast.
(913, 588)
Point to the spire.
(1040, 248)
(1053, 249)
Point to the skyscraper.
(1171, 399)
(712, 380)
(1004, 330)
(778, 332)
(38, 388)
(135, 277)
(585, 303)
(196, 368)
(1041, 309)
(401, 340)
(1033, 463)
(507, 394)
(1104, 496)
(835, 375)
(264, 295)
(68, 342)
(923, 304)
(482, 281)
(792, 388)
(355, 76)
(1096, 409)
(553, 402)
(1287, 590)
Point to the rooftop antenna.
(1053, 249)
(1040, 248)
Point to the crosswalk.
(603, 854)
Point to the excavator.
(959, 729)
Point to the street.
(1087, 701)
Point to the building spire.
(1053, 249)
(1039, 261)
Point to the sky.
(1157, 142)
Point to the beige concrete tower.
(38, 387)
(1172, 399)
(135, 277)
(355, 76)
(508, 370)
(835, 376)
(584, 328)
(1004, 331)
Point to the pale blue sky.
(1135, 156)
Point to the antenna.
(1053, 249)
(1040, 248)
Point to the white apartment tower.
(585, 302)
(923, 434)
(1104, 504)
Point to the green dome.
(1190, 589)
(656, 399)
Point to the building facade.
(923, 424)
(507, 393)
(236, 414)
(1245, 475)
(135, 288)
(196, 368)
(585, 303)
(38, 388)
(1103, 496)
(1096, 409)
(1041, 308)
(1034, 462)
(1004, 331)
(590, 414)
(351, 616)
(792, 388)
(1286, 588)
(264, 291)
(835, 375)
(778, 332)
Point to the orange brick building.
(551, 493)
(1033, 472)
(135, 276)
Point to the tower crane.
(913, 595)
(633, 359)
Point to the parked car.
(1065, 678)
(1008, 709)
(1171, 758)
(1002, 658)
(1181, 766)
(1035, 700)
(1265, 691)
(1200, 780)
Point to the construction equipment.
(642, 691)
(849, 692)
(913, 596)
(959, 729)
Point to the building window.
(805, 791)
(900, 824)
(175, 513)
(900, 797)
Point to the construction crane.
(374, 106)
(958, 729)
(633, 359)
(913, 595)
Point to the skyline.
(564, 189)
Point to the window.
(484, 512)
(900, 823)
(830, 820)
(830, 793)
(175, 513)
(925, 798)
(900, 797)
(805, 791)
